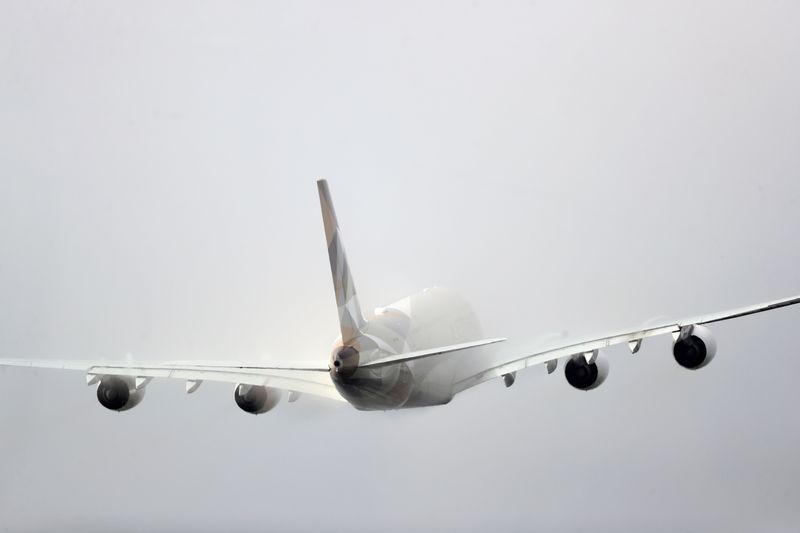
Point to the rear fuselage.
(431, 318)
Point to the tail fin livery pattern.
(351, 320)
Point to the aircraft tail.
(351, 320)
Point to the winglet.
(351, 320)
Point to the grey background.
(570, 166)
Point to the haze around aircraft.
(417, 352)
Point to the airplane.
(420, 351)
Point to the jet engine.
(584, 375)
(256, 399)
(696, 349)
(119, 393)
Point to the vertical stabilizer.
(351, 320)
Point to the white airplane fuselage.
(431, 318)
(419, 351)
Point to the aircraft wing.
(589, 348)
(309, 378)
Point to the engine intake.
(119, 393)
(583, 375)
(696, 349)
(256, 399)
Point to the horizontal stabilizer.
(411, 356)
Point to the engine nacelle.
(119, 393)
(256, 399)
(586, 376)
(696, 350)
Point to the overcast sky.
(579, 167)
